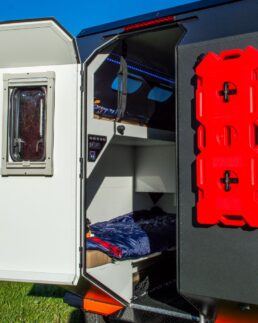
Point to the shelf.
(136, 135)
(131, 134)
(152, 255)
(139, 262)
(138, 142)
(143, 132)
(132, 262)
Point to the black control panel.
(95, 146)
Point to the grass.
(35, 303)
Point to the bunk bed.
(131, 236)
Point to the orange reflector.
(233, 314)
(97, 301)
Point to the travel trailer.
(129, 163)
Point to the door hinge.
(81, 168)
(80, 250)
(82, 81)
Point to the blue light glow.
(136, 69)
(158, 94)
(133, 84)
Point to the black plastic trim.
(198, 5)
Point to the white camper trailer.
(49, 185)
(115, 183)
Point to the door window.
(28, 124)
(27, 133)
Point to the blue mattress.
(134, 235)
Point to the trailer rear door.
(39, 147)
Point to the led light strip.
(141, 65)
(111, 60)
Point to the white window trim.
(25, 168)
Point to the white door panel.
(39, 216)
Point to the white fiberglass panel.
(39, 216)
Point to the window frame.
(37, 168)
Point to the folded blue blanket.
(135, 234)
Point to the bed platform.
(96, 258)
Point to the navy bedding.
(134, 235)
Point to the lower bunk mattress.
(130, 236)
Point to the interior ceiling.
(155, 49)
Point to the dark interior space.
(142, 67)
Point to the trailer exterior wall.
(213, 262)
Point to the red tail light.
(150, 23)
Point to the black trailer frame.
(202, 252)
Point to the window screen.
(28, 114)
(27, 121)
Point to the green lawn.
(35, 303)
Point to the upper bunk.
(131, 91)
(130, 71)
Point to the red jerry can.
(227, 163)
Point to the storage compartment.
(111, 191)
(131, 178)
(155, 169)
(129, 230)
